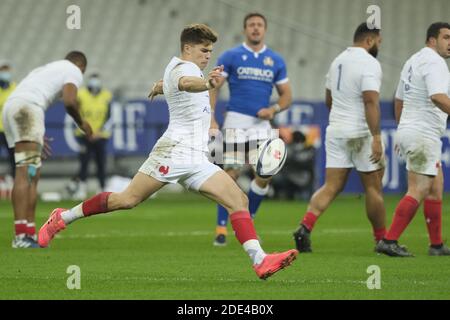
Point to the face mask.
(5, 76)
(94, 85)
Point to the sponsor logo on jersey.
(268, 61)
(250, 73)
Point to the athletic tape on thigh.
(28, 158)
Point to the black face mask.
(4, 84)
(374, 51)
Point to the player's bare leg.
(335, 180)
(375, 209)
(140, 188)
(24, 194)
(222, 213)
(222, 189)
(419, 185)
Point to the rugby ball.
(271, 158)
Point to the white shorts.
(23, 121)
(241, 136)
(241, 128)
(168, 166)
(422, 155)
(351, 153)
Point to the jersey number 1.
(339, 77)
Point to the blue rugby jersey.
(251, 77)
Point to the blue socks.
(255, 196)
(222, 216)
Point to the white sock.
(257, 189)
(254, 250)
(73, 214)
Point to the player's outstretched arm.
(442, 101)
(214, 93)
(197, 84)
(157, 89)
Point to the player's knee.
(435, 194)
(31, 159)
(419, 191)
(374, 191)
(434, 197)
(334, 188)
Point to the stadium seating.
(130, 42)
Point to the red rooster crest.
(164, 170)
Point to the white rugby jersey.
(351, 73)
(423, 75)
(190, 113)
(44, 84)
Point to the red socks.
(379, 234)
(309, 220)
(20, 227)
(405, 211)
(31, 229)
(432, 210)
(242, 224)
(96, 204)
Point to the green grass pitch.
(163, 250)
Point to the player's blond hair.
(196, 34)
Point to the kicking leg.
(221, 188)
(222, 214)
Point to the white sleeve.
(436, 78)
(328, 80)
(183, 70)
(371, 78)
(399, 93)
(73, 75)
